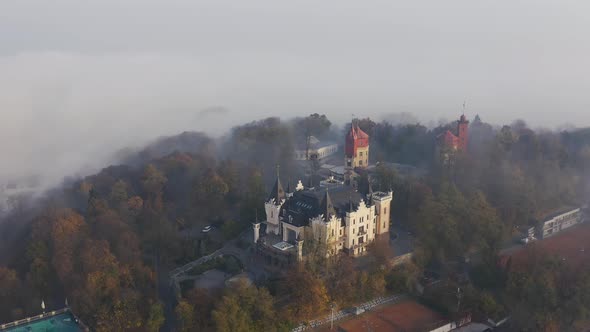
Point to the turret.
(256, 228)
(273, 205)
(356, 149)
(382, 201)
(462, 133)
(299, 248)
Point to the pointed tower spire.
(327, 207)
(277, 194)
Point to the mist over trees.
(99, 240)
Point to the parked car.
(206, 229)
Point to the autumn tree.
(156, 317)
(153, 182)
(308, 296)
(245, 308)
(185, 316)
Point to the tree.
(341, 281)
(203, 301)
(185, 315)
(245, 308)
(118, 195)
(67, 231)
(308, 295)
(153, 182)
(156, 318)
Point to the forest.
(103, 242)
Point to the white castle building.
(335, 217)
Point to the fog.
(80, 80)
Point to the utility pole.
(459, 296)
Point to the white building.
(335, 218)
(317, 150)
(558, 221)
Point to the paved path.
(348, 312)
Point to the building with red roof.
(356, 148)
(449, 143)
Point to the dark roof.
(277, 193)
(555, 213)
(307, 204)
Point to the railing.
(174, 273)
(347, 312)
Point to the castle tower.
(256, 229)
(299, 249)
(356, 149)
(462, 133)
(382, 201)
(273, 205)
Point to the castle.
(448, 143)
(333, 218)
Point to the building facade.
(356, 148)
(331, 219)
(555, 223)
(315, 150)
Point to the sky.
(80, 80)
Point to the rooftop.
(405, 316)
(547, 215)
(571, 245)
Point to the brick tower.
(462, 133)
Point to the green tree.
(156, 317)
(185, 315)
(245, 308)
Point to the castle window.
(360, 162)
(385, 210)
(353, 231)
(271, 214)
(361, 153)
(340, 232)
(353, 242)
(332, 232)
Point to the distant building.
(556, 222)
(317, 150)
(356, 148)
(449, 143)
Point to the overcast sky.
(81, 79)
